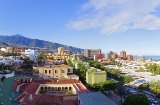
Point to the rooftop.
(95, 98)
(61, 81)
(6, 94)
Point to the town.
(39, 76)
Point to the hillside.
(24, 41)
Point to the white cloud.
(118, 15)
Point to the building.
(130, 57)
(31, 53)
(55, 71)
(95, 57)
(94, 98)
(108, 54)
(94, 75)
(100, 56)
(89, 53)
(60, 51)
(114, 56)
(123, 55)
(10, 60)
(48, 91)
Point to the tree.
(41, 57)
(155, 87)
(128, 79)
(70, 63)
(136, 99)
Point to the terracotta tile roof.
(32, 88)
(45, 81)
(20, 97)
(70, 102)
(14, 85)
(61, 81)
(23, 87)
(77, 89)
(82, 88)
(49, 100)
(67, 81)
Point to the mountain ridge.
(24, 41)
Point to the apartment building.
(94, 75)
(123, 55)
(89, 53)
(130, 57)
(55, 71)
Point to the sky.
(111, 25)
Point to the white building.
(95, 57)
(32, 54)
(11, 60)
(108, 55)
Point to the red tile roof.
(49, 100)
(82, 88)
(61, 81)
(20, 97)
(32, 88)
(23, 87)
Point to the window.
(56, 71)
(68, 70)
(49, 71)
(63, 71)
(45, 71)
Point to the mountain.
(3, 44)
(24, 41)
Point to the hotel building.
(123, 55)
(130, 57)
(89, 53)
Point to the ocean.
(149, 57)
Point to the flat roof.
(95, 98)
(7, 97)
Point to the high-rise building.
(130, 57)
(95, 57)
(108, 55)
(100, 56)
(114, 56)
(89, 53)
(123, 55)
(60, 51)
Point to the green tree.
(155, 87)
(128, 79)
(70, 63)
(136, 99)
(41, 58)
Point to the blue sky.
(106, 24)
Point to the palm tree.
(41, 58)
(155, 87)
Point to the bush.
(69, 92)
(128, 79)
(136, 99)
(42, 92)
